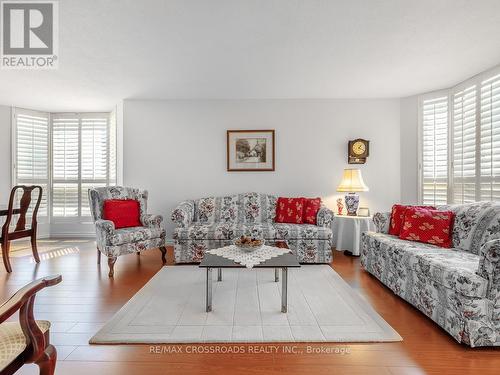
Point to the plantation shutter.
(112, 148)
(81, 160)
(31, 164)
(95, 156)
(490, 140)
(464, 145)
(435, 151)
(66, 161)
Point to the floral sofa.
(458, 288)
(213, 222)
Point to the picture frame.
(363, 212)
(250, 150)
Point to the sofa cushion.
(311, 208)
(398, 216)
(123, 213)
(429, 226)
(229, 231)
(134, 234)
(452, 268)
(302, 231)
(475, 224)
(225, 231)
(290, 210)
(249, 208)
(217, 209)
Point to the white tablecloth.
(348, 231)
(249, 259)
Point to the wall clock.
(358, 151)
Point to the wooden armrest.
(14, 303)
(23, 300)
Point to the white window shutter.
(32, 152)
(65, 165)
(435, 151)
(490, 140)
(464, 145)
(81, 160)
(95, 155)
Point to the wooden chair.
(20, 230)
(26, 341)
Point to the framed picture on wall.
(250, 150)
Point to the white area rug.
(170, 308)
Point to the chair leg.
(5, 255)
(47, 361)
(163, 250)
(111, 264)
(98, 257)
(34, 247)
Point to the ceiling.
(219, 49)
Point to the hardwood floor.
(87, 298)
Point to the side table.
(349, 229)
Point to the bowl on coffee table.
(249, 244)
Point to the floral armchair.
(115, 242)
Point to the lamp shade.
(352, 181)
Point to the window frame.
(420, 133)
(42, 219)
(50, 218)
(79, 218)
(450, 93)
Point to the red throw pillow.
(397, 217)
(123, 213)
(311, 208)
(430, 226)
(289, 210)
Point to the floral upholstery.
(213, 222)
(115, 242)
(458, 288)
(134, 234)
(475, 224)
(382, 221)
(13, 341)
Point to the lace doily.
(249, 259)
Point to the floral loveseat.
(209, 223)
(458, 288)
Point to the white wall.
(177, 149)
(409, 150)
(5, 154)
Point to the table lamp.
(352, 182)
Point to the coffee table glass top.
(216, 261)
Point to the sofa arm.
(324, 217)
(152, 221)
(183, 214)
(489, 267)
(104, 229)
(382, 221)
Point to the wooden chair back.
(24, 205)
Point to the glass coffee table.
(284, 261)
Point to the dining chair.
(20, 230)
(27, 340)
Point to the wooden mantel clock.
(358, 151)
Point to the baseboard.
(71, 235)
